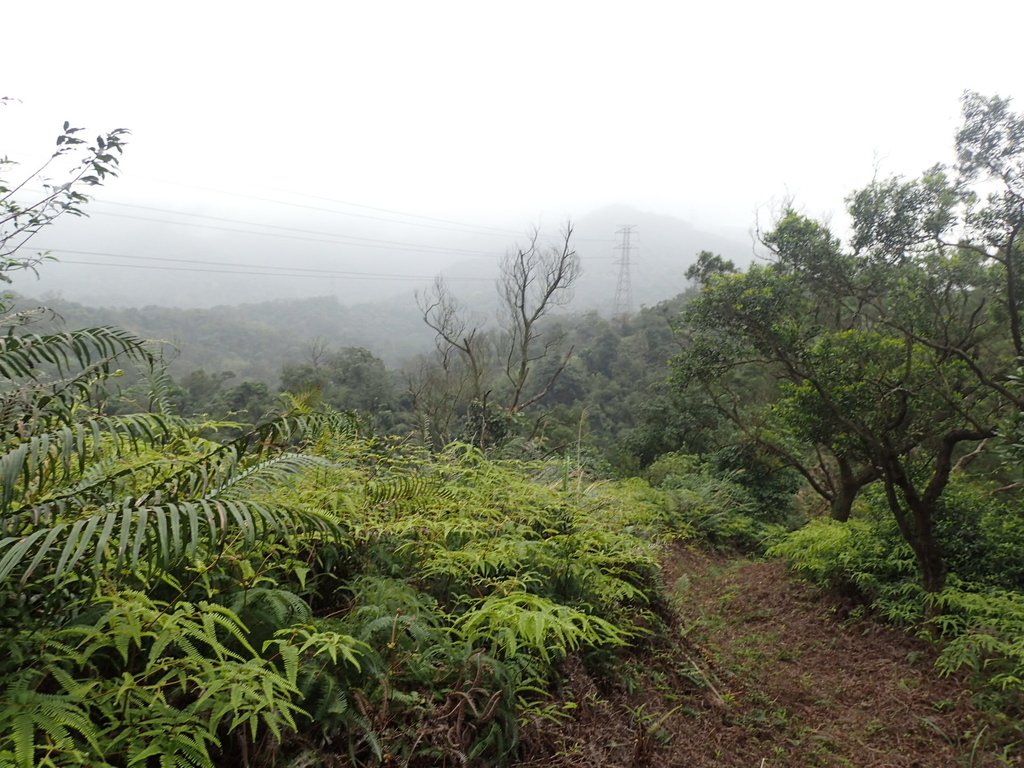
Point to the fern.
(402, 488)
(316, 640)
(50, 459)
(204, 500)
(22, 356)
(124, 535)
(266, 610)
(183, 675)
(33, 402)
(43, 723)
(521, 622)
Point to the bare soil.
(763, 671)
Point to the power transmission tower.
(623, 304)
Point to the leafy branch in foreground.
(187, 675)
(25, 212)
(184, 503)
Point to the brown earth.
(763, 672)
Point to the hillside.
(255, 340)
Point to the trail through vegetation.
(764, 670)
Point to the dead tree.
(470, 358)
(456, 332)
(534, 280)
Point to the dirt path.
(763, 674)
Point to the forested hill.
(255, 340)
(538, 544)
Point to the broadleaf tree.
(889, 357)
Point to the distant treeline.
(253, 341)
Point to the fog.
(227, 249)
(357, 149)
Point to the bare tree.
(317, 350)
(533, 281)
(457, 332)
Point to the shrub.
(716, 506)
(979, 616)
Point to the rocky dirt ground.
(764, 672)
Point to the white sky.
(498, 112)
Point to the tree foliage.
(878, 361)
(24, 212)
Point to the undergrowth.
(421, 621)
(718, 506)
(977, 620)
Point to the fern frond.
(400, 488)
(40, 403)
(316, 641)
(155, 535)
(268, 474)
(160, 384)
(22, 356)
(44, 460)
(31, 721)
(278, 608)
(217, 468)
(526, 622)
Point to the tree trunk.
(926, 547)
(846, 492)
(842, 502)
(916, 523)
(932, 565)
(848, 487)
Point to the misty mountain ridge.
(118, 258)
(663, 247)
(253, 338)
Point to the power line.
(335, 241)
(411, 246)
(462, 226)
(497, 230)
(329, 237)
(230, 271)
(204, 266)
(404, 245)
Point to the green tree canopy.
(880, 360)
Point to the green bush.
(982, 536)
(979, 616)
(857, 558)
(716, 506)
(984, 632)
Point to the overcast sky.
(499, 112)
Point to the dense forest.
(517, 539)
